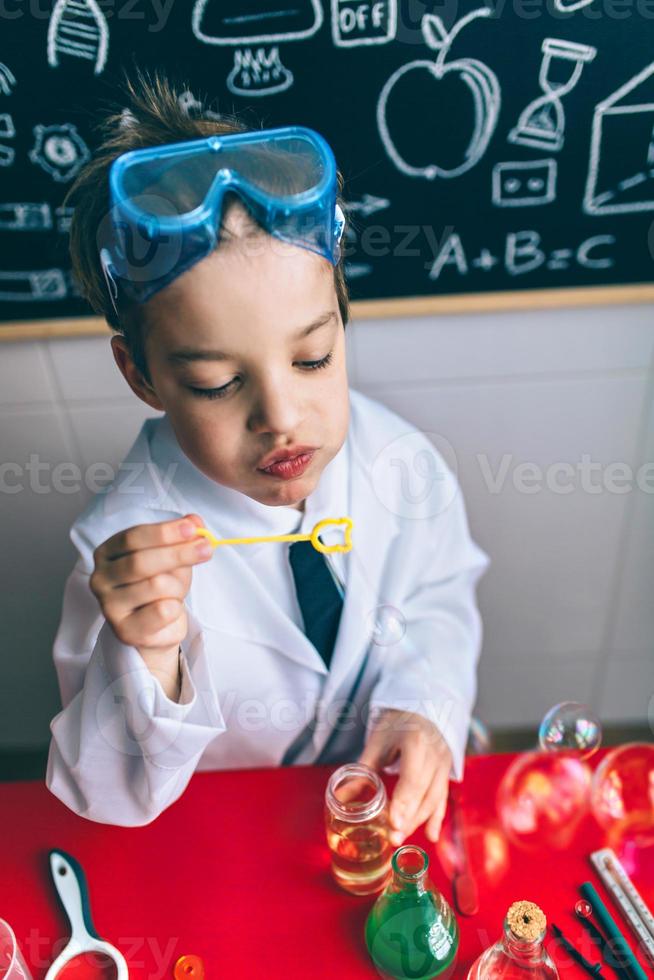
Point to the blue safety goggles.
(166, 202)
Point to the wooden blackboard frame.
(529, 299)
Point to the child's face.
(260, 395)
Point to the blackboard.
(487, 149)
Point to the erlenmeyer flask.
(411, 930)
(520, 953)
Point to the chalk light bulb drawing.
(480, 79)
(260, 71)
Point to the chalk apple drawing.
(479, 78)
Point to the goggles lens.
(287, 167)
(167, 202)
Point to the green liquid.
(408, 937)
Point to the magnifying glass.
(86, 956)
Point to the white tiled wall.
(568, 603)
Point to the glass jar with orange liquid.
(357, 826)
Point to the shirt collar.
(229, 513)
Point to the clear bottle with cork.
(357, 828)
(520, 954)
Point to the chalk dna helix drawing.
(622, 182)
(477, 76)
(542, 122)
(78, 29)
(256, 72)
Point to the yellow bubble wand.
(325, 549)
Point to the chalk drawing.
(78, 29)
(524, 183)
(542, 122)
(480, 79)
(59, 150)
(356, 23)
(623, 134)
(256, 72)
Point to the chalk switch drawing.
(621, 165)
(542, 122)
(78, 29)
(355, 23)
(59, 150)
(481, 81)
(524, 183)
(260, 72)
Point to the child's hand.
(425, 762)
(141, 578)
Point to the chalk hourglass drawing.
(480, 80)
(244, 24)
(542, 122)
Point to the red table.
(236, 871)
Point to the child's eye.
(313, 365)
(225, 389)
(213, 392)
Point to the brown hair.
(155, 114)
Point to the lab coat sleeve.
(121, 750)
(432, 669)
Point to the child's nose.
(275, 411)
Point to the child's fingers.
(432, 808)
(125, 599)
(411, 787)
(435, 822)
(140, 565)
(159, 624)
(142, 536)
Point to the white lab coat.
(255, 692)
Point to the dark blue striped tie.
(319, 598)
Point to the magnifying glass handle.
(70, 882)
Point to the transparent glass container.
(520, 953)
(411, 930)
(357, 828)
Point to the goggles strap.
(112, 287)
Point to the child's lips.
(289, 468)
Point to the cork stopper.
(526, 921)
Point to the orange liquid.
(361, 855)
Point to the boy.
(172, 657)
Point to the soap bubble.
(542, 798)
(387, 625)
(622, 801)
(479, 738)
(570, 726)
